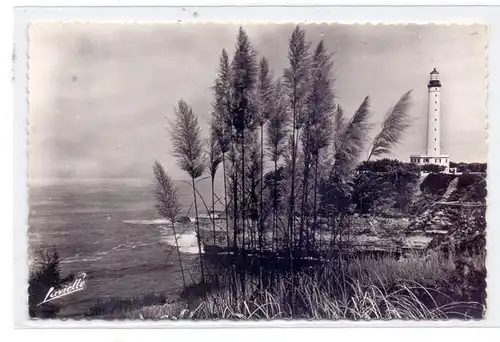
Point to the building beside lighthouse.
(433, 150)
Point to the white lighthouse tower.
(433, 151)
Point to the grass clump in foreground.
(412, 288)
(113, 306)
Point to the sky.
(100, 94)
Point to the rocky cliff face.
(456, 219)
(438, 216)
(436, 219)
(467, 233)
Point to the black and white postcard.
(257, 171)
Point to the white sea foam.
(71, 260)
(148, 222)
(187, 241)
(129, 245)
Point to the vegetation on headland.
(469, 167)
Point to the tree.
(47, 275)
(382, 165)
(366, 190)
(469, 167)
(385, 179)
(432, 168)
(404, 178)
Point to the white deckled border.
(302, 15)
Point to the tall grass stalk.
(215, 158)
(167, 204)
(296, 83)
(266, 107)
(244, 72)
(395, 123)
(222, 127)
(186, 140)
(277, 131)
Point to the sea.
(110, 230)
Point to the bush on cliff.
(47, 275)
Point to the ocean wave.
(148, 222)
(129, 245)
(71, 260)
(187, 241)
(99, 255)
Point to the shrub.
(380, 165)
(41, 280)
(469, 167)
(470, 188)
(432, 168)
(383, 185)
(386, 165)
(476, 192)
(466, 180)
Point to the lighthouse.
(434, 115)
(433, 147)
